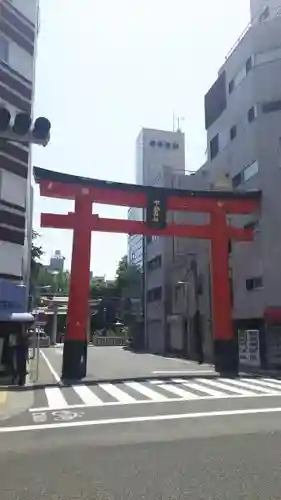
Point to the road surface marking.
(149, 401)
(265, 383)
(3, 397)
(250, 384)
(131, 420)
(198, 387)
(227, 387)
(163, 391)
(117, 393)
(55, 398)
(87, 396)
(51, 368)
(183, 372)
(146, 391)
(174, 389)
(277, 381)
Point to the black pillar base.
(226, 357)
(74, 363)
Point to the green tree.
(35, 263)
(128, 279)
(53, 282)
(102, 290)
(129, 286)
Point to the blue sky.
(107, 68)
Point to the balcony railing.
(276, 12)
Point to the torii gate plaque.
(157, 201)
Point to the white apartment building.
(18, 38)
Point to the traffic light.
(21, 129)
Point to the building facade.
(18, 37)
(243, 123)
(159, 154)
(56, 262)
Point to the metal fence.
(108, 341)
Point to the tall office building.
(18, 38)
(56, 262)
(158, 154)
(243, 124)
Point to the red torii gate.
(157, 201)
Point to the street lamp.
(186, 328)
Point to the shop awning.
(16, 318)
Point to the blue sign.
(12, 298)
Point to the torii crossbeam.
(157, 201)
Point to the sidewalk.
(14, 400)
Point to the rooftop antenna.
(174, 118)
(180, 122)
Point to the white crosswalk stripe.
(146, 391)
(55, 398)
(117, 393)
(87, 396)
(250, 384)
(158, 391)
(227, 387)
(199, 387)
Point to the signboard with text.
(156, 210)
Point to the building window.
(155, 263)
(237, 179)
(159, 144)
(253, 224)
(167, 145)
(175, 145)
(268, 56)
(231, 86)
(250, 171)
(252, 114)
(245, 174)
(270, 107)
(254, 283)
(214, 147)
(233, 132)
(154, 294)
(152, 143)
(249, 64)
(264, 15)
(4, 49)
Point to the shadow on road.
(120, 380)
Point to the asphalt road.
(116, 363)
(211, 457)
(209, 448)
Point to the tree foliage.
(128, 279)
(35, 264)
(41, 277)
(53, 282)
